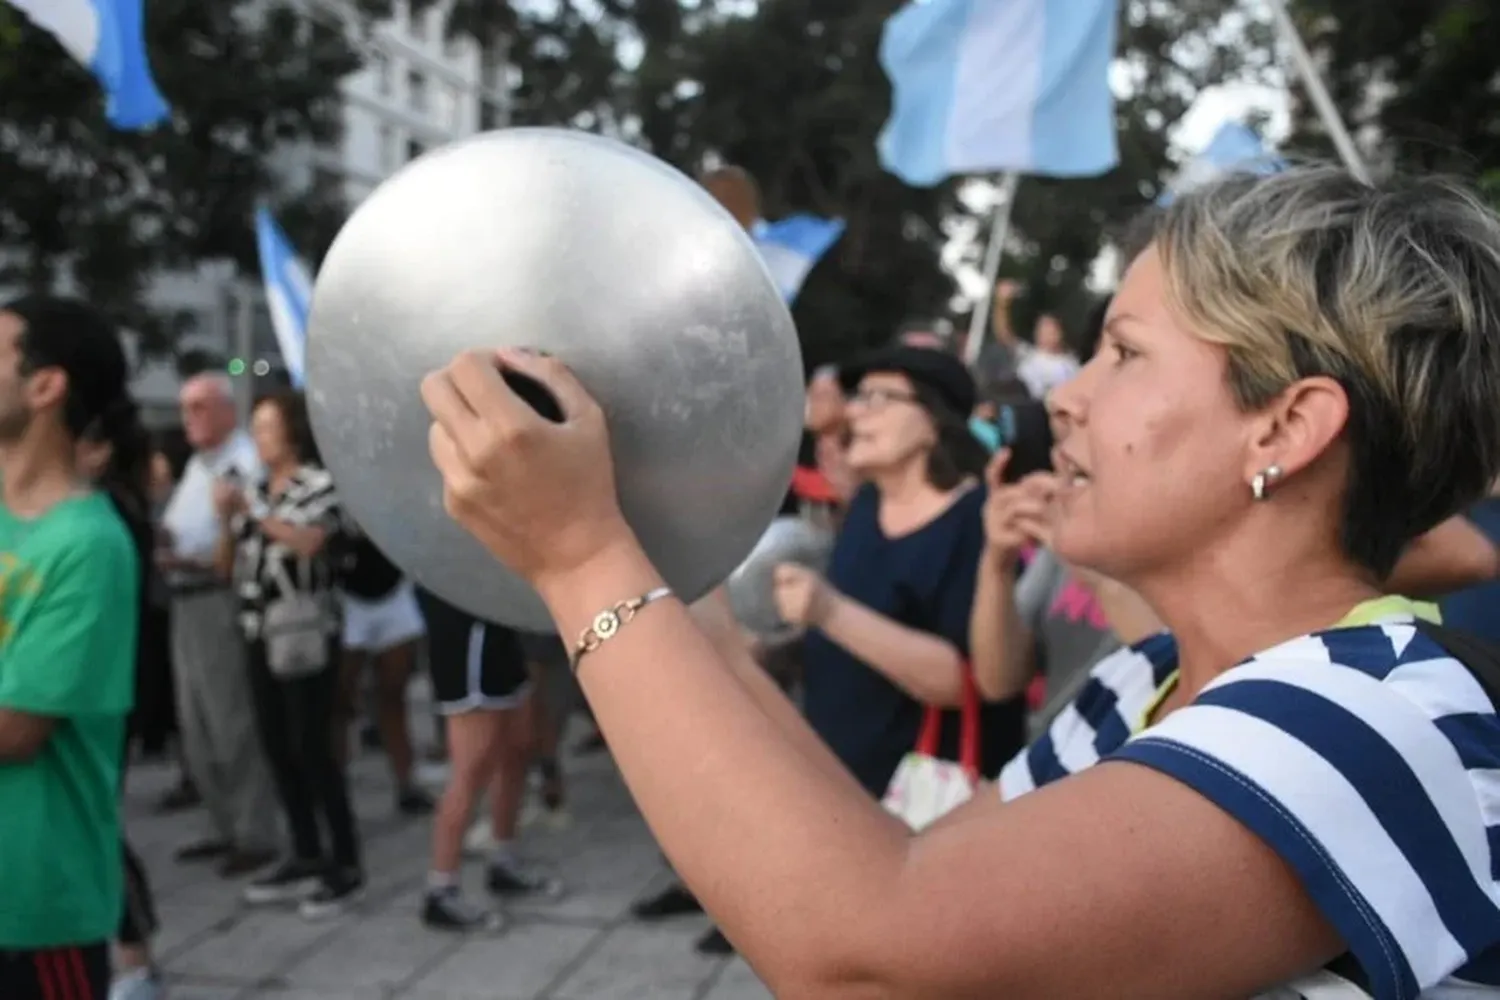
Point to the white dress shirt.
(190, 517)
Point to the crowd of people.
(227, 599)
(1264, 768)
(1035, 556)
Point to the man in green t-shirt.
(68, 620)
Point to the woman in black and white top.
(275, 544)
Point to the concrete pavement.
(581, 947)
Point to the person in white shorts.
(382, 626)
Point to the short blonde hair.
(1393, 290)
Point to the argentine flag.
(1234, 149)
(793, 246)
(987, 86)
(108, 37)
(288, 292)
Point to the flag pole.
(1327, 110)
(999, 233)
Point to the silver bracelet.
(609, 621)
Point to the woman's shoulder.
(1367, 758)
(1109, 706)
(1401, 657)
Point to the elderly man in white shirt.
(221, 748)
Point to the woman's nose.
(1067, 404)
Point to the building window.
(390, 148)
(414, 149)
(447, 106)
(416, 91)
(419, 26)
(490, 116)
(380, 65)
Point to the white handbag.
(925, 787)
(295, 628)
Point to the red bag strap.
(968, 736)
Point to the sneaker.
(339, 888)
(203, 850)
(241, 863)
(140, 984)
(673, 901)
(412, 801)
(714, 943)
(590, 743)
(480, 840)
(184, 796)
(446, 910)
(539, 815)
(515, 879)
(291, 881)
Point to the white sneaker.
(140, 984)
(480, 840)
(537, 815)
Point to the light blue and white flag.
(108, 37)
(986, 86)
(288, 292)
(793, 247)
(1234, 149)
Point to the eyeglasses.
(879, 399)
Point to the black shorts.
(544, 650)
(77, 972)
(475, 665)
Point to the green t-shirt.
(69, 611)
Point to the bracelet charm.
(607, 623)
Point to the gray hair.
(221, 383)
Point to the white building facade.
(419, 88)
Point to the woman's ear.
(1299, 426)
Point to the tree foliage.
(243, 78)
(1169, 52)
(792, 91)
(789, 89)
(1417, 78)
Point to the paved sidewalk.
(582, 947)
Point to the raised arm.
(1002, 620)
(715, 617)
(823, 892)
(925, 664)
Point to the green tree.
(792, 90)
(1170, 53)
(243, 78)
(795, 93)
(562, 59)
(1418, 78)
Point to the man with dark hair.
(69, 603)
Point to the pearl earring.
(1260, 486)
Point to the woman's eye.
(1122, 353)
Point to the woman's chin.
(1073, 543)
